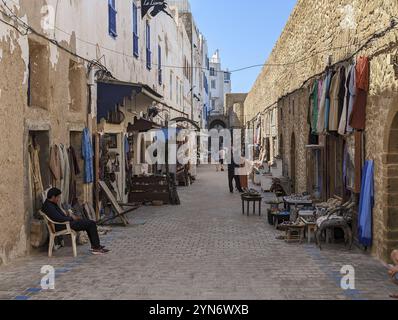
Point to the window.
(77, 93)
(227, 77)
(205, 83)
(171, 85)
(112, 18)
(160, 80)
(38, 78)
(212, 72)
(213, 84)
(135, 30)
(148, 47)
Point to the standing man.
(222, 155)
(232, 175)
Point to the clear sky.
(244, 31)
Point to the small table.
(297, 203)
(295, 233)
(310, 228)
(248, 199)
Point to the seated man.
(393, 270)
(53, 210)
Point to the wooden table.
(251, 199)
(310, 228)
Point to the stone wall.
(316, 31)
(234, 106)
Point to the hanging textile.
(344, 114)
(36, 179)
(358, 160)
(366, 205)
(313, 108)
(324, 104)
(352, 90)
(328, 99)
(88, 156)
(335, 99)
(358, 116)
(341, 94)
(65, 173)
(74, 172)
(55, 166)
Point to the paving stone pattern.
(203, 249)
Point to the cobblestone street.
(203, 249)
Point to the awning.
(113, 92)
(142, 125)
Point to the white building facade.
(220, 85)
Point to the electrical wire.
(286, 64)
(375, 36)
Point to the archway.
(391, 185)
(293, 162)
(218, 125)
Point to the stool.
(248, 200)
(311, 229)
(295, 233)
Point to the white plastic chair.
(53, 234)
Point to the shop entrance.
(38, 172)
(391, 185)
(76, 189)
(293, 162)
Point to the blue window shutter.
(160, 65)
(135, 30)
(112, 18)
(148, 47)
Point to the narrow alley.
(203, 249)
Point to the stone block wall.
(319, 31)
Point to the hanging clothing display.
(358, 160)
(336, 99)
(344, 113)
(324, 104)
(65, 173)
(352, 90)
(88, 156)
(328, 99)
(35, 176)
(366, 205)
(358, 115)
(74, 172)
(55, 166)
(313, 107)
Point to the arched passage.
(218, 124)
(391, 185)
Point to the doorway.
(391, 177)
(293, 162)
(38, 173)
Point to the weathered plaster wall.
(12, 100)
(315, 31)
(81, 27)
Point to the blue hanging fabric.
(88, 156)
(366, 205)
